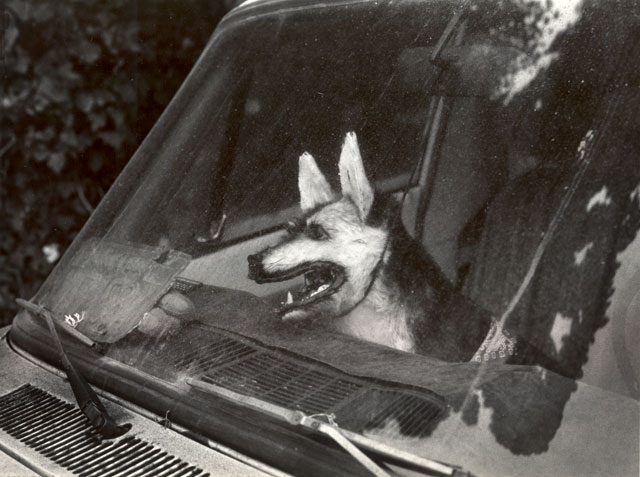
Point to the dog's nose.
(255, 265)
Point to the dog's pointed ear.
(353, 179)
(312, 184)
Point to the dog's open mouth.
(320, 280)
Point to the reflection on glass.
(513, 160)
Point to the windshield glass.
(441, 198)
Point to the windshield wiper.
(351, 442)
(86, 398)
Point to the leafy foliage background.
(82, 83)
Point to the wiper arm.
(332, 430)
(349, 441)
(352, 442)
(86, 398)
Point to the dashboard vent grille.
(283, 383)
(60, 432)
(289, 381)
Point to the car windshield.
(497, 201)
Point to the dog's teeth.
(289, 298)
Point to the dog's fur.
(384, 287)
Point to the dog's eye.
(316, 232)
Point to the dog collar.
(498, 345)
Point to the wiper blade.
(349, 441)
(86, 398)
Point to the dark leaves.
(83, 82)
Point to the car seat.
(579, 305)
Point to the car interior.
(524, 204)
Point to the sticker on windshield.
(73, 319)
(111, 285)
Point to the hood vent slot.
(60, 432)
(287, 380)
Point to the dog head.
(333, 244)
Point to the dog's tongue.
(317, 284)
(304, 295)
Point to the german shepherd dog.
(364, 275)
